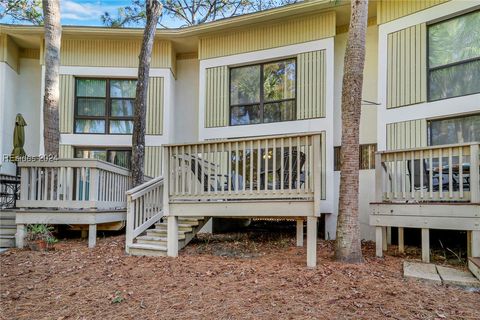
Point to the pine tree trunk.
(53, 36)
(348, 245)
(139, 113)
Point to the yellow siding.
(66, 105)
(28, 53)
(9, 51)
(406, 66)
(311, 85)
(388, 10)
(269, 35)
(65, 151)
(114, 53)
(216, 97)
(407, 134)
(155, 106)
(153, 161)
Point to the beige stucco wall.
(186, 101)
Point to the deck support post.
(426, 245)
(92, 235)
(475, 243)
(389, 235)
(384, 239)
(312, 242)
(379, 242)
(401, 240)
(300, 233)
(20, 235)
(172, 236)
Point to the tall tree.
(53, 36)
(22, 11)
(153, 8)
(189, 12)
(348, 245)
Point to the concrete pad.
(457, 277)
(423, 271)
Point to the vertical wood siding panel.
(155, 104)
(388, 10)
(216, 97)
(66, 103)
(153, 161)
(65, 151)
(271, 35)
(311, 85)
(407, 134)
(406, 66)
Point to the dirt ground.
(236, 276)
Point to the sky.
(88, 12)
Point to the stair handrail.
(144, 208)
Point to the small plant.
(118, 298)
(40, 237)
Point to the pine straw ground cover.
(246, 276)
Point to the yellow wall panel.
(311, 85)
(388, 10)
(9, 52)
(66, 103)
(407, 134)
(65, 151)
(155, 106)
(271, 35)
(216, 97)
(114, 53)
(406, 66)
(153, 161)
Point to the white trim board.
(108, 140)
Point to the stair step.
(141, 249)
(7, 230)
(474, 266)
(181, 227)
(7, 221)
(163, 233)
(7, 241)
(7, 215)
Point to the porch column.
(401, 240)
(300, 233)
(379, 242)
(475, 243)
(426, 245)
(172, 236)
(20, 235)
(312, 242)
(92, 235)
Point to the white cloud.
(83, 10)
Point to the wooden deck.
(274, 176)
(72, 192)
(427, 188)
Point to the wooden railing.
(145, 207)
(276, 167)
(436, 173)
(73, 184)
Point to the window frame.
(448, 65)
(108, 107)
(106, 149)
(429, 125)
(262, 101)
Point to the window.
(454, 57)
(104, 105)
(367, 156)
(366, 161)
(263, 93)
(120, 157)
(454, 130)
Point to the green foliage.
(41, 232)
(190, 12)
(22, 11)
(118, 297)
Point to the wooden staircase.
(8, 228)
(153, 242)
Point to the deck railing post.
(317, 174)
(129, 223)
(474, 174)
(166, 179)
(378, 178)
(94, 180)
